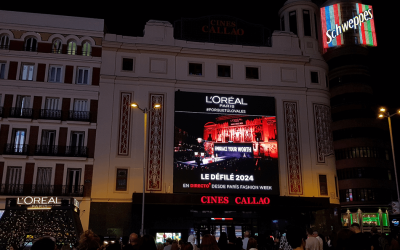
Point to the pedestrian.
(89, 241)
(252, 244)
(359, 240)
(246, 239)
(321, 242)
(295, 236)
(44, 243)
(343, 239)
(312, 243)
(209, 243)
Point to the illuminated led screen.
(225, 144)
(336, 20)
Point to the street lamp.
(384, 113)
(145, 112)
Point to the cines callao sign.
(334, 24)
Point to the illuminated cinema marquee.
(334, 24)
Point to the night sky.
(121, 18)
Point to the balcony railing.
(83, 116)
(20, 113)
(16, 149)
(50, 114)
(55, 150)
(30, 189)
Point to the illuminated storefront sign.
(38, 202)
(235, 200)
(225, 144)
(223, 27)
(335, 22)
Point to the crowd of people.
(346, 239)
(297, 239)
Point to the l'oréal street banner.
(225, 144)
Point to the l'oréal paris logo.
(222, 100)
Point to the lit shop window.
(57, 46)
(122, 179)
(195, 69)
(224, 71)
(252, 73)
(27, 72)
(55, 73)
(86, 49)
(31, 44)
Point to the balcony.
(50, 114)
(30, 189)
(82, 116)
(16, 149)
(55, 150)
(20, 113)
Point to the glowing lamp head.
(157, 106)
(199, 140)
(382, 109)
(380, 116)
(134, 105)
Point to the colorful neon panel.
(367, 30)
(332, 16)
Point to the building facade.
(361, 141)
(274, 131)
(50, 68)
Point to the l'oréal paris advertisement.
(225, 144)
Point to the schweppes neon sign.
(333, 25)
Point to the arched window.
(57, 46)
(4, 41)
(71, 48)
(86, 49)
(31, 44)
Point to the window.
(86, 49)
(2, 70)
(293, 22)
(22, 108)
(51, 109)
(43, 180)
(71, 50)
(252, 73)
(4, 41)
(27, 72)
(283, 23)
(195, 69)
(127, 64)
(13, 180)
(57, 47)
(77, 139)
(323, 185)
(31, 44)
(224, 71)
(315, 24)
(55, 74)
(82, 76)
(314, 77)
(48, 138)
(73, 180)
(52, 103)
(80, 112)
(18, 140)
(122, 179)
(307, 23)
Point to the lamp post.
(145, 112)
(384, 113)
